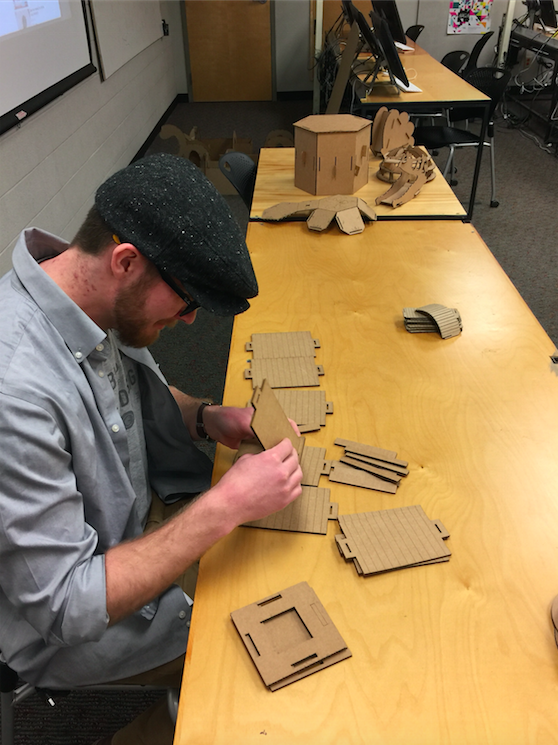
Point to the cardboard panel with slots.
(385, 540)
(284, 359)
(312, 510)
(368, 466)
(289, 635)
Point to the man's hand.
(258, 485)
(228, 424)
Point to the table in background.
(275, 183)
(459, 652)
(441, 89)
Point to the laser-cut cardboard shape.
(348, 212)
(289, 635)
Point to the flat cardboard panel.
(312, 463)
(391, 539)
(283, 344)
(344, 474)
(307, 514)
(304, 406)
(289, 635)
(290, 372)
(370, 451)
(382, 473)
(269, 422)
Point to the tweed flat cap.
(168, 210)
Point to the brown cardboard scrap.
(400, 470)
(309, 513)
(283, 344)
(350, 221)
(369, 450)
(285, 373)
(433, 318)
(391, 539)
(312, 462)
(289, 635)
(269, 422)
(344, 474)
(304, 406)
(391, 129)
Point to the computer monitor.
(383, 35)
(387, 9)
(548, 13)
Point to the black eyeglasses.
(191, 304)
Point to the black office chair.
(477, 49)
(13, 691)
(240, 169)
(492, 81)
(455, 61)
(413, 32)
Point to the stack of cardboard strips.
(368, 467)
(285, 360)
(392, 539)
(433, 318)
(289, 635)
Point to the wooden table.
(441, 89)
(275, 183)
(460, 652)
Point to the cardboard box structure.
(331, 153)
(289, 635)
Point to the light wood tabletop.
(438, 85)
(275, 183)
(458, 653)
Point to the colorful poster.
(469, 16)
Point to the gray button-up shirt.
(65, 491)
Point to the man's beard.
(130, 321)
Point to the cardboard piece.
(311, 460)
(412, 158)
(307, 514)
(433, 318)
(270, 423)
(391, 539)
(305, 407)
(279, 138)
(283, 344)
(368, 467)
(205, 153)
(289, 635)
(344, 474)
(331, 153)
(347, 211)
(292, 372)
(391, 130)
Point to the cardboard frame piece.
(347, 211)
(309, 513)
(283, 344)
(308, 408)
(385, 540)
(284, 372)
(289, 635)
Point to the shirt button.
(78, 355)
(182, 615)
(101, 374)
(100, 347)
(115, 428)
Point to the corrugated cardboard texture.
(313, 464)
(305, 407)
(270, 423)
(434, 317)
(369, 450)
(344, 474)
(292, 372)
(283, 344)
(307, 514)
(289, 631)
(391, 539)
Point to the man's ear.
(126, 261)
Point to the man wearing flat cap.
(94, 440)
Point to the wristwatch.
(200, 426)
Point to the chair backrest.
(413, 32)
(240, 169)
(492, 81)
(477, 49)
(455, 61)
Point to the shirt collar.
(80, 332)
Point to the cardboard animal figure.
(391, 130)
(346, 210)
(408, 168)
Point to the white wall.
(52, 164)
